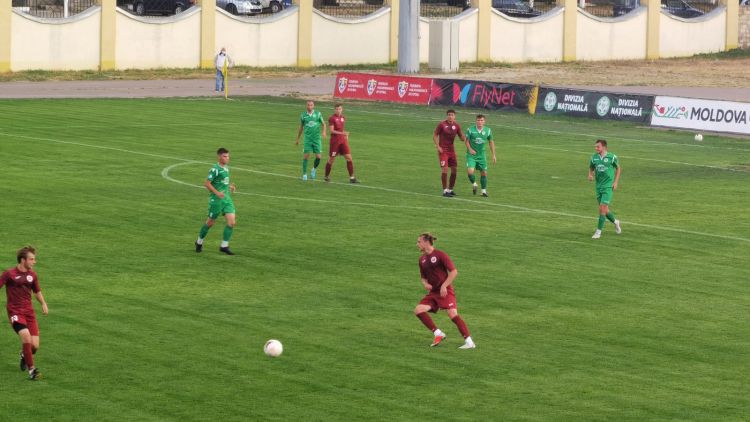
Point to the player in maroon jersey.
(339, 143)
(443, 137)
(20, 281)
(438, 272)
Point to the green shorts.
(314, 146)
(218, 207)
(474, 162)
(604, 197)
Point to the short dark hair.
(428, 237)
(601, 141)
(480, 116)
(450, 110)
(337, 105)
(24, 252)
(221, 151)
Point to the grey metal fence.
(442, 9)
(348, 8)
(52, 8)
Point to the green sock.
(204, 231)
(602, 219)
(611, 216)
(472, 179)
(304, 166)
(483, 181)
(228, 233)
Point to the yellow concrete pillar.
(5, 35)
(484, 33)
(108, 34)
(652, 28)
(733, 24)
(208, 33)
(304, 33)
(393, 55)
(570, 29)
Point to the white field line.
(531, 129)
(495, 204)
(166, 170)
(637, 158)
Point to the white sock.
(438, 333)
(484, 190)
(224, 244)
(469, 340)
(475, 184)
(199, 241)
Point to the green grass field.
(652, 324)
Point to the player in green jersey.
(477, 138)
(605, 167)
(219, 201)
(314, 127)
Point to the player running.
(219, 201)
(443, 137)
(339, 143)
(606, 167)
(311, 122)
(19, 282)
(437, 273)
(476, 159)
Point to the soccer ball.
(273, 348)
(698, 137)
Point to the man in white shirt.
(219, 61)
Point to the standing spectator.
(221, 59)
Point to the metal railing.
(608, 8)
(523, 8)
(348, 8)
(442, 9)
(52, 8)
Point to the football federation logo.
(29, 278)
(342, 85)
(433, 259)
(550, 101)
(402, 87)
(606, 160)
(603, 106)
(371, 84)
(453, 127)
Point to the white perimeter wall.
(424, 40)
(337, 41)
(680, 37)
(612, 39)
(468, 33)
(270, 42)
(152, 43)
(70, 44)
(519, 40)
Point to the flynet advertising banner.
(397, 89)
(480, 94)
(708, 115)
(595, 105)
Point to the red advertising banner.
(398, 89)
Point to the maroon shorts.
(448, 159)
(339, 148)
(437, 302)
(25, 318)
